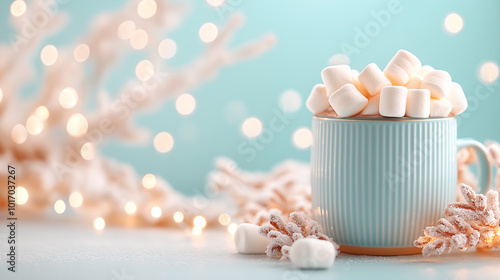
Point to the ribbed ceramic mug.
(377, 183)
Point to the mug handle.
(484, 167)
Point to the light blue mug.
(377, 183)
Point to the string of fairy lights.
(185, 104)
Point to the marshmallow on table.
(402, 67)
(373, 79)
(393, 101)
(457, 99)
(317, 101)
(336, 76)
(359, 86)
(418, 103)
(425, 70)
(347, 101)
(248, 240)
(440, 107)
(438, 82)
(414, 83)
(372, 106)
(310, 253)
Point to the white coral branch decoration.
(473, 223)
(50, 163)
(283, 234)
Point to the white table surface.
(76, 251)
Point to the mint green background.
(309, 33)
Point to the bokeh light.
(60, 206)
(68, 98)
(208, 32)
(49, 55)
(77, 125)
(232, 228)
(21, 195)
(99, 223)
(178, 217)
(19, 134)
(215, 3)
(149, 181)
(196, 231)
(200, 222)
(453, 23)
(88, 151)
(224, 219)
(185, 104)
(156, 212)
(18, 8)
(302, 138)
(75, 200)
(146, 8)
(339, 59)
(130, 207)
(488, 72)
(167, 48)
(42, 113)
(81, 52)
(144, 70)
(290, 101)
(125, 30)
(139, 39)
(1, 95)
(34, 125)
(251, 127)
(235, 111)
(163, 142)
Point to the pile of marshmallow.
(404, 88)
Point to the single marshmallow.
(336, 76)
(372, 106)
(457, 99)
(418, 103)
(307, 253)
(414, 82)
(373, 79)
(440, 107)
(402, 67)
(317, 101)
(347, 101)
(438, 82)
(425, 70)
(393, 101)
(359, 86)
(248, 240)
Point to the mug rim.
(404, 119)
